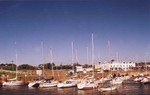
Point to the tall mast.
(109, 51)
(72, 54)
(51, 61)
(16, 64)
(76, 54)
(145, 64)
(117, 56)
(87, 56)
(16, 59)
(93, 53)
(42, 57)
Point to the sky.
(25, 24)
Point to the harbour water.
(124, 89)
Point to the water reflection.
(124, 89)
(87, 92)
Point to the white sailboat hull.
(48, 85)
(107, 88)
(86, 86)
(117, 81)
(144, 80)
(13, 83)
(64, 85)
(67, 83)
(52, 84)
(34, 84)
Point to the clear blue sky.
(57, 23)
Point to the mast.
(16, 59)
(76, 53)
(87, 56)
(145, 64)
(117, 56)
(42, 58)
(109, 49)
(93, 53)
(51, 61)
(72, 47)
(16, 65)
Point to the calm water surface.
(124, 89)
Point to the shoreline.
(61, 75)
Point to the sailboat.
(145, 79)
(107, 88)
(14, 81)
(89, 83)
(49, 82)
(72, 82)
(67, 83)
(117, 80)
(36, 82)
(109, 84)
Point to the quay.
(60, 75)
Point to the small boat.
(144, 80)
(107, 88)
(36, 82)
(67, 83)
(13, 82)
(103, 80)
(138, 78)
(117, 80)
(126, 77)
(87, 84)
(48, 83)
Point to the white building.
(39, 72)
(115, 65)
(81, 69)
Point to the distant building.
(115, 65)
(97, 66)
(39, 72)
(81, 69)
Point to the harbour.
(127, 87)
(74, 47)
(124, 89)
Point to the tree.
(8, 66)
(27, 67)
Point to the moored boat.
(48, 83)
(87, 84)
(67, 83)
(36, 82)
(13, 82)
(108, 88)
